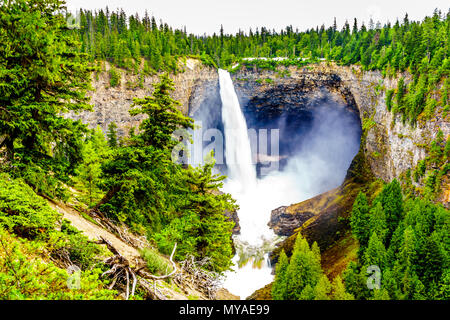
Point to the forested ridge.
(421, 48)
(46, 65)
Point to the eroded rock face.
(233, 216)
(391, 147)
(113, 103)
(283, 222)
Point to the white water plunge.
(256, 239)
(320, 166)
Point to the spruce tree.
(112, 135)
(279, 286)
(378, 221)
(304, 269)
(338, 290)
(164, 116)
(392, 201)
(213, 234)
(42, 76)
(359, 220)
(94, 152)
(375, 253)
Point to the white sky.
(206, 16)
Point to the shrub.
(156, 264)
(22, 211)
(82, 252)
(114, 77)
(25, 275)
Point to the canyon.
(388, 146)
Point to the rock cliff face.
(284, 220)
(390, 147)
(113, 103)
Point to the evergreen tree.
(378, 221)
(322, 289)
(94, 152)
(375, 253)
(163, 116)
(381, 294)
(112, 135)
(434, 261)
(170, 202)
(279, 286)
(359, 219)
(304, 269)
(338, 290)
(392, 201)
(42, 75)
(212, 237)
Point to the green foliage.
(42, 75)
(359, 219)
(168, 201)
(156, 264)
(94, 152)
(301, 276)
(389, 94)
(22, 211)
(163, 115)
(25, 214)
(206, 230)
(112, 135)
(304, 270)
(378, 223)
(338, 290)
(114, 77)
(26, 275)
(279, 286)
(409, 243)
(81, 251)
(433, 168)
(376, 252)
(391, 199)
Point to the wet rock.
(233, 216)
(284, 221)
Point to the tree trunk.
(108, 196)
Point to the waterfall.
(321, 165)
(243, 185)
(241, 180)
(238, 151)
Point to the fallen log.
(121, 271)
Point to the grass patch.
(156, 263)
